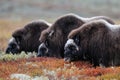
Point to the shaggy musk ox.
(96, 41)
(53, 38)
(27, 38)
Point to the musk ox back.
(27, 38)
(53, 38)
(96, 41)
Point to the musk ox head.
(48, 47)
(44, 49)
(27, 38)
(71, 50)
(13, 46)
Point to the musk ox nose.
(11, 50)
(8, 50)
(42, 50)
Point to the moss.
(11, 57)
(1, 79)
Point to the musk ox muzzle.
(42, 50)
(71, 50)
(13, 47)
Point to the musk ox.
(27, 38)
(96, 41)
(53, 38)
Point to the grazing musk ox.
(53, 38)
(27, 38)
(97, 41)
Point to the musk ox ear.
(51, 34)
(77, 39)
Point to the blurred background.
(35, 9)
(16, 13)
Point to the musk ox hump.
(109, 20)
(37, 25)
(90, 27)
(67, 21)
(30, 29)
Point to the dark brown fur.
(28, 37)
(61, 28)
(99, 42)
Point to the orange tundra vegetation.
(54, 68)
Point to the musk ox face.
(13, 46)
(44, 49)
(18, 42)
(73, 50)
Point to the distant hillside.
(55, 8)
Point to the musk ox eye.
(77, 40)
(13, 45)
(47, 43)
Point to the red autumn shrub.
(54, 68)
